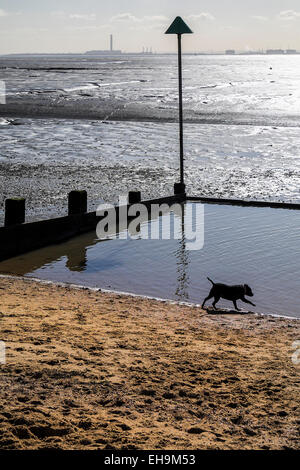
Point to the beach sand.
(91, 370)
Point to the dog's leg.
(235, 305)
(210, 296)
(217, 298)
(247, 301)
(207, 298)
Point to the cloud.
(25, 30)
(155, 18)
(4, 13)
(77, 16)
(73, 16)
(128, 17)
(142, 23)
(124, 17)
(58, 13)
(149, 23)
(288, 15)
(204, 16)
(260, 18)
(83, 28)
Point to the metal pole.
(180, 110)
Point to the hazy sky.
(77, 26)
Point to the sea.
(110, 125)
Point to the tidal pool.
(257, 246)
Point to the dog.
(232, 293)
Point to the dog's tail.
(211, 281)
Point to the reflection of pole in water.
(182, 256)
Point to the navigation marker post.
(179, 27)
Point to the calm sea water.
(257, 246)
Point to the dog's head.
(248, 290)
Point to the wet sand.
(44, 159)
(91, 370)
(46, 186)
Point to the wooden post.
(77, 202)
(134, 197)
(14, 211)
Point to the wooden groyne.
(18, 237)
(245, 203)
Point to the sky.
(75, 26)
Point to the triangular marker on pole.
(179, 27)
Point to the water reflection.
(182, 256)
(77, 260)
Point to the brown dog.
(232, 293)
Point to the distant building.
(275, 51)
(291, 51)
(104, 52)
(147, 50)
(252, 53)
(111, 51)
(230, 52)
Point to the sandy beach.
(93, 370)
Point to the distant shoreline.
(145, 54)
